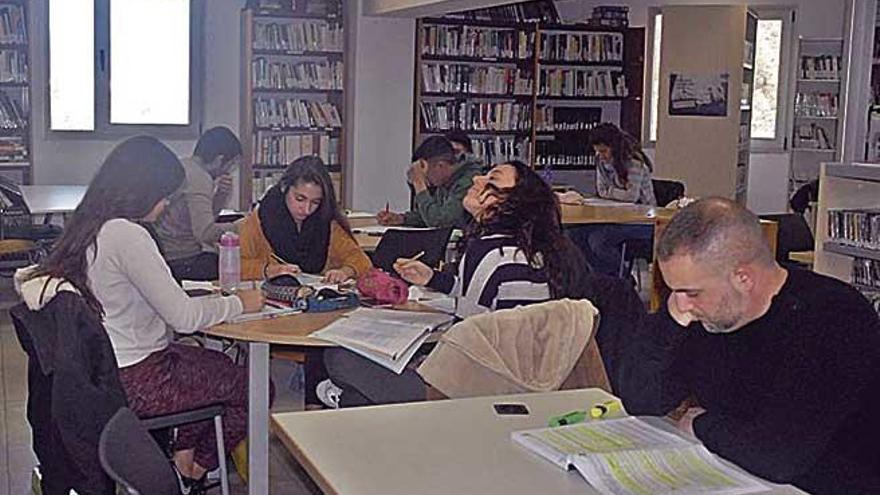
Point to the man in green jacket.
(440, 179)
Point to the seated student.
(299, 221)
(115, 265)
(514, 254)
(782, 364)
(188, 232)
(623, 173)
(440, 179)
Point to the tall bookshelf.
(817, 112)
(524, 90)
(292, 96)
(743, 143)
(15, 109)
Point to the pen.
(277, 258)
(603, 408)
(568, 418)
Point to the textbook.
(385, 336)
(630, 456)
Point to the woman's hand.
(273, 271)
(389, 218)
(414, 272)
(252, 300)
(339, 275)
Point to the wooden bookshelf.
(16, 150)
(292, 96)
(541, 71)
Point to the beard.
(727, 318)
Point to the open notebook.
(387, 337)
(628, 455)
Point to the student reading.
(115, 265)
(188, 232)
(515, 254)
(440, 178)
(299, 221)
(782, 364)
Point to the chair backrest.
(667, 191)
(794, 234)
(131, 457)
(12, 195)
(397, 243)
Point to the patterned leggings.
(181, 378)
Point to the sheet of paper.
(386, 338)
(681, 471)
(604, 202)
(397, 365)
(267, 313)
(359, 214)
(199, 284)
(381, 229)
(375, 316)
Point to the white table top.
(42, 200)
(436, 447)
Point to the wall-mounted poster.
(701, 95)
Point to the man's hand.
(417, 175)
(686, 423)
(414, 272)
(224, 185)
(389, 218)
(683, 318)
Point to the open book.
(387, 337)
(628, 455)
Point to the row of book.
(305, 75)
(279, 150)
(564, 159)
(13, 25)
(294, 112)
(820, 67)
(298, 36)
(476, 116)
(13, 112)
(457, 78)
(815, 105)
(498, 149)
(582, 83)
(866, 272)
(477, 42)
(581, 47)
(813, 136)
(859, 228)
(534, 11)
(310, 7)
(13, 149)
(550, 118)
(262, 181)
(13, 66)
(609, 16)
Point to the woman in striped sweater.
(514, 254)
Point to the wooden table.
(47, 200)
(436, 447)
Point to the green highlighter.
(568, 418)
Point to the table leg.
(258, 418)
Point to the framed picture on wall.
(698, 95)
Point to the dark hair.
(217, 141)
(716, 230)
(311, 169)
(461, 138)
(135, 176)
(529, 211)
(435, 148)
(623, 146)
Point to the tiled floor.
(17, 459)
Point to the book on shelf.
(295, 113)
(562, 160)
(533, 11)
(12, 113)
(13, 25)
(812, 136)
(475, 116)
(261, 182)
(284, 75)
(459, 78)
(387, 337)
(630, 455)
(859, 228)
(820, 67)
(13, 66)
(279, 150)
(550, 118)
(476, 42)
(497, 149)
(815, 105)
(866, 273)
(298, 36)
(581, 47)
(573, 83)
(616, 16)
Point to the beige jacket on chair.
(535, 348)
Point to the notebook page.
(390, 339)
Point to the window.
(117, 67)
(770, 87)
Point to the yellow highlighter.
(604, 408)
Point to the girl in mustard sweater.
(298, 221)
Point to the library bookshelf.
(15, 92)
(526, 90)
(292, 97)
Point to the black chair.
(397, 243)
(667, 191)
(794, 234)
(16, 221)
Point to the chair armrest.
(182, 418)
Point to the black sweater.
(793, 397)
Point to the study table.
(48, 200)
(436, 447)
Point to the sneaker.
(328, 393)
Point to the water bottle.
(230, 262)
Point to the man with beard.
(775, 370)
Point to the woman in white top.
(116, 265)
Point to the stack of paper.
(387, 337)
(627, 455)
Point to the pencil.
(417, 256)
(278, 259)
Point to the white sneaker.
(328, 393)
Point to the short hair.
(435, 148)
(217, 141)
(718, 232)
(461, 138)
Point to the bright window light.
(72, 65)
(765, 97)
(655, 76)
(149, 79)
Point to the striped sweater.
(493, 274)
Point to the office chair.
(665, 192)
(397, 243)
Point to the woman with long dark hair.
(514, 254)
(299, 221)
(115, 265)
